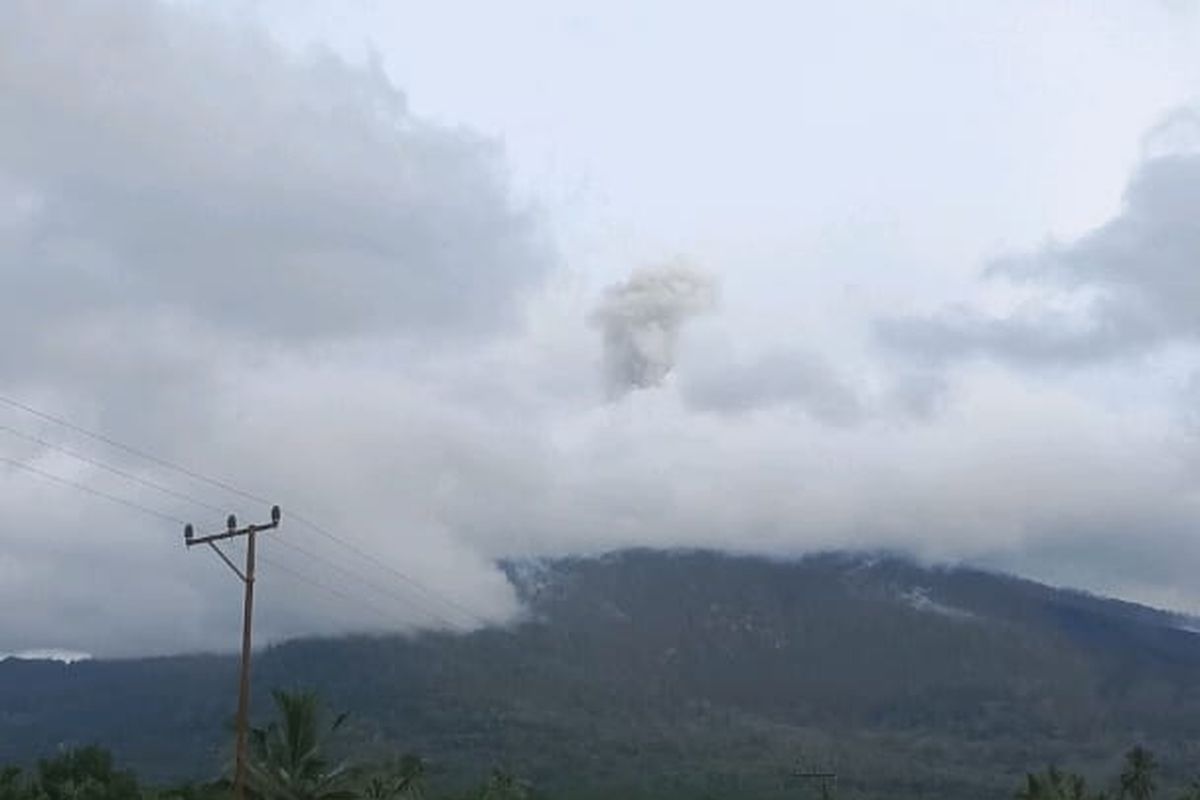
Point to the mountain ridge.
(658, 673)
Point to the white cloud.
(265, 265)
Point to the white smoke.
(641, 319)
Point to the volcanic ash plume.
(641, 319)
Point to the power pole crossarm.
(228, 563)
(247, 578)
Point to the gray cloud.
(641, 319)
(918, 394)
(156, 161)
(1135, 279)
(783, 378)
(1030, 338)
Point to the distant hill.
(686, 674)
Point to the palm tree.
(411, 777)
(1053, 784)
(378, 788)
(1137, 778)
(286, 762)
(408, 781)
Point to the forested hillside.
(667, 674)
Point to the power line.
(110, 468)
(215, 482)
(382, 589)
(383, 565)
(162, 462)
(90, 490)
(127, 503)
(204, 504)
(390, 617)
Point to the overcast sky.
(467, 281)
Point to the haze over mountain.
(400, 269)
(672, 673)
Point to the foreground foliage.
(290, 759)
(286, 757)
(1136, 781)
(290, 763)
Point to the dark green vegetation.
(691, 675)
(288, 761)
(1137, 780)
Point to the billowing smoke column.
(641, 319)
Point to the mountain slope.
(664, 674)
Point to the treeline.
(1137, 780)
(88, 773)
(290, 760)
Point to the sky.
(462, 282)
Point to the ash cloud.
(641, 319)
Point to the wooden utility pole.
(247, 577)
